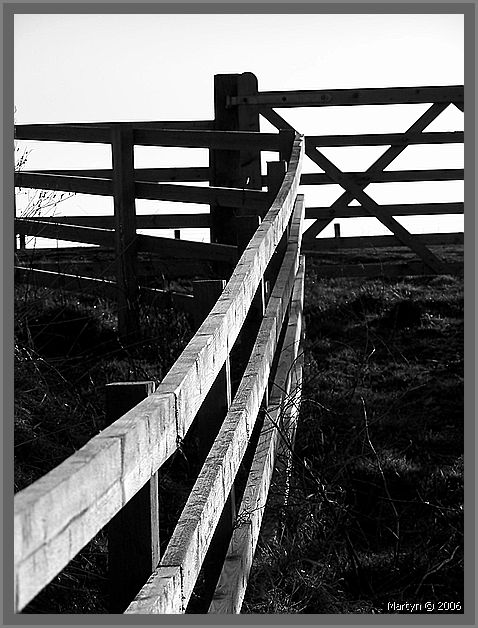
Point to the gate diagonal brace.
(375, 210)
(354, 189)
(381, 163)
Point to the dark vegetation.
(375, 509)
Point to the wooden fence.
(112, 480)
(256, 224)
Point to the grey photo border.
(468, 618)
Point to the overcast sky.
(72, 68)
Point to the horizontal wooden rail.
(100, 287)
(387, 176)
(193, 533)
(347, 97)
(141, 174)
(105, 237)
(224, 140)
(281, 414)
(71, 503)
(95, 134)
(361, 242)
(143, 221)
(386, 139)
(411, 209)
(63, 183)
(152, 136)
(226, 197)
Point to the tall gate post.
(233, 168)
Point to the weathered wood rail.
(258, 242)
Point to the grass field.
(375, 509)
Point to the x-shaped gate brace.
(355, 189)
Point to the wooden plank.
(385, 139)
(63, 133)
(410, 209)
(140, 174)
(381, 270)
(347, 97)
(133, 533)
(388, 176)
(187, 249)
(361, 242)
(143, 221)
(378, 212)
(59, 231)
(80, 185)
(232, 583)
(193, 533)
(218, 139)
(161, 592)
(57, 515)
(225, 197)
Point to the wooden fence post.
(276, 171)
(133, 533)
(337, 230)
(122, 146)
(229, 168)
(208, 421)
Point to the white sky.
(73, 68)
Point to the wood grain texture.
(193, 533)
(57, 515)
(281, 412)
